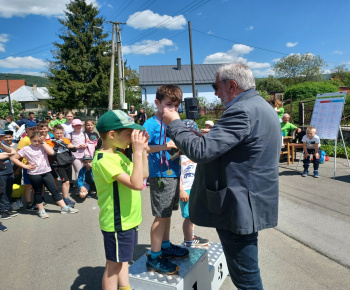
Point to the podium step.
(205, 268)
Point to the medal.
(169, 172)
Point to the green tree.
(341, 75)
(270, 85)
(132, 88)
(297, 68)
(80, 73)
(5, 111)
(309, 90)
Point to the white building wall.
(205, 90)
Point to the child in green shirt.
(118, 182)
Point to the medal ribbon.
(162, 153)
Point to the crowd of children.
(42, 156)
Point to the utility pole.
(120, 71)
(9, 94)
(192, 68)
(111, 78)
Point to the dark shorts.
(26, 180)
(65, 173)
(119, 246)
(164, 198)
(54, 173)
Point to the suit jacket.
(236, 181)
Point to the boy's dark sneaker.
(161, 265)
(69, 202)
(2, 228)
(4, 215)
(31, 207)
(198, 241)
(305, 173)
(175, 252)
(316, 174)
(11, 213)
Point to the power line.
(32, 51)
(230, 40)
(143, 8)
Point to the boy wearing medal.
(164, 180)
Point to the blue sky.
(256, 32)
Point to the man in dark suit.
(236, 184)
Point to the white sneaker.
(42, 214)
(19, 202)
(68, 209)
(15, 206)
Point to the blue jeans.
(241, 252)
(6, 183)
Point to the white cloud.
(36, 7)
(22, 62)
(4, 37)
(276, 59)
(251, 27)
(263, 73)
(199, 13)
(30, 73)
(337, 52)
(257, 65)
(327, 71)
(148, 19)
(148, 47)
(232, 55)
(260, 69)
(291, 44)
(210, 32)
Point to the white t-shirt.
(12, 127)
(188, 169)
(310, 143)
(67, 128)
(37, 156)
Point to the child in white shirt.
(311, 145)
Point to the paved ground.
(308, 250)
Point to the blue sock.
(166, 244)
(155, 255)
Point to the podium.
(205, 268)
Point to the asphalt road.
(308, 250)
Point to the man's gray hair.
(286, 115)
(238, 72)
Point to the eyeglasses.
(54, 116)
(216, 86)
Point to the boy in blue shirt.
(164, 180)
(85, 179)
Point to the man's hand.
(169, 115)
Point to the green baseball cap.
(116, 119)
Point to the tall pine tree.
(79, 72)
